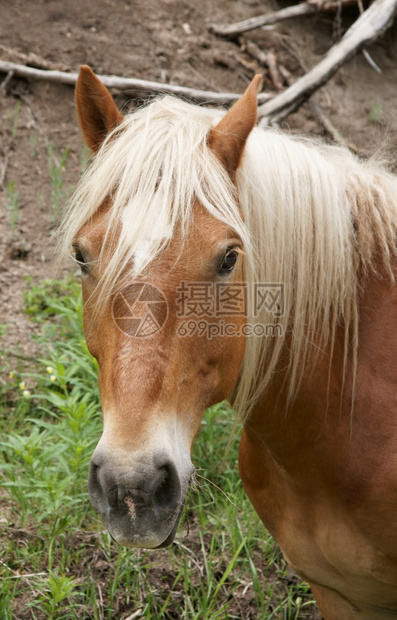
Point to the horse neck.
(322, 430)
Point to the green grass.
(12, 205)
(56, 168)
(13, 118)
(56, 560)
(376, 113)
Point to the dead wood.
(273, 70)
(255, 51)
(368, 27)
(299, 10)
(6, 81)
(227, 60)
(3, 171)
(132, 85)
(31, 59)
(331, 130)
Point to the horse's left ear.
(228, 138)
(97, 112)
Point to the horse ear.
(96, 110)
(227, 139)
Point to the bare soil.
(165, 41)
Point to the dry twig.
(3, 172)
(273, 70)
(267, 59)
(370, 25)
(30, 59)
(331, 130)
(133, 85)
(6, 81)
(256, 52)
(299, 10)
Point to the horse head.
(162, 359)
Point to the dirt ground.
(160, 40)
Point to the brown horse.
(221, 259)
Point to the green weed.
(375, 115)
(56, 167)
(13, 117)
(12, 205)
(56, 594)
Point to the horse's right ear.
(96, 110)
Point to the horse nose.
(155, 486)
(166, 485)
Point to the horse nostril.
(167, 488)
(112, 495)
(94, 485)
(101, 486)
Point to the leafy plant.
(55, 590)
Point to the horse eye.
(79, 258)
(228, 262)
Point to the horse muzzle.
(141, 501)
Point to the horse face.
(163, 358)
(161, 363)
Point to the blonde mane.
(311, 217)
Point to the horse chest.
(329, 539)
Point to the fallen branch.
(299, 10)
(331, 130)
(31, 59)
(133, 85)
(6, 81)
(370, 25)
(3, 171)
(267, 59)
(326, 123)
(273, 70)
(255, 51)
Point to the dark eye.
(79, 258)
(228, 262)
